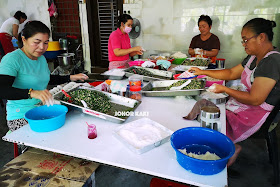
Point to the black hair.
(123, 19)
(206, 19)
(30, 29)
(20, 14)
(261, 25)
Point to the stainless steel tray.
(148, 89)
(161, 75)
(120, 103)
(182, 68)
(113, 75)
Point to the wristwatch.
(29, 93)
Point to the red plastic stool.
(156, 182)
(15, 150)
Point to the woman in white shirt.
(9, 29)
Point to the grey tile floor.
(252, 164)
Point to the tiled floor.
(252, 164)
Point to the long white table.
(71, 139)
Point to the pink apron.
(119, 64)
(244, 120)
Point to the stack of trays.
(149, 74)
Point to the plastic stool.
(156, 182)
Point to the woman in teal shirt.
(24, 74)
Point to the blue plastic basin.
(199, 140)
(46, 119)
(52, 54)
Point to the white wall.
(169, 25)
(34, 9)
(38, 10)
(85, 36)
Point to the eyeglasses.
(246, 40)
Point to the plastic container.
(220, 63)
(53, 46)
(92, 132)
(15, 42)
(135, 92)
(52, 54)
(135, 80)
(199, 140)
(156, 182)
(139, 149)
(209, 83)
(46, 118)
(136, 63)
(178, 61)
(108, 82)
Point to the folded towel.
(195, 112)
(164, 63)
(118, 86)
(148, 64)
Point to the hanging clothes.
(6, 42)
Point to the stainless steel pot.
(63, 43)
(65, 59)
(210, 117)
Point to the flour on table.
(141, 135)
(206, 156)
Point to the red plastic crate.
(156, 182)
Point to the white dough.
(206, 156)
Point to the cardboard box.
(42, 168)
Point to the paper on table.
(187, 74)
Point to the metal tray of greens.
(196, 61)
(104, 105)
(183, 68)
(161, 88)
(148, 73)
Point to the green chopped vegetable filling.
(194, 84)
(95, 100)
(196, 62)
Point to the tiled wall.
(169, 25)
(68, 20)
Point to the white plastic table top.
(71, 139)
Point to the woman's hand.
(217, 88)
(138, 50)
(80, 76)
(196, 71)
(44, 95)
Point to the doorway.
(102, 21)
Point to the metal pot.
(210, 117)
(63, 43)
(65, 59)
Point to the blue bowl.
(52, 54)
(199, 140)
(46, 119)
